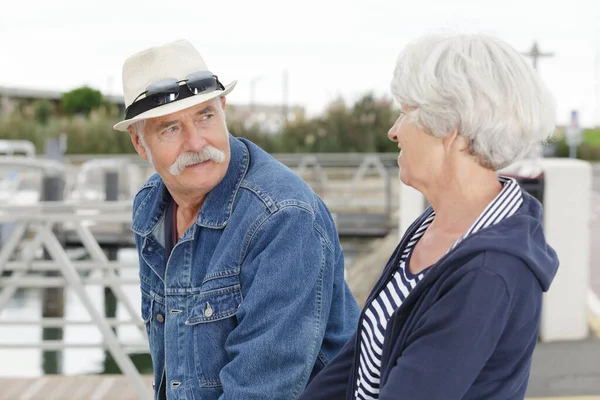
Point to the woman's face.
(422, 156)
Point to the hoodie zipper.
(389, 271)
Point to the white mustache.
(191, 158)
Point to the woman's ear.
(457, 142)
(463, 143)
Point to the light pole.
(253, 83)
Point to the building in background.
(270, 118)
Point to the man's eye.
(170, 130)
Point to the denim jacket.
(252, 302)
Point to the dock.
(61, 387)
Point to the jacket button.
(160, 318)
(208, 312)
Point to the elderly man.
(241, 269)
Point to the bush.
(85, 135)
(592, 137)
(43, 111)
(588, 152)
(81, 101)
(360, 128)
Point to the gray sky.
(328, 48)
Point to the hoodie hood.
(522, 236)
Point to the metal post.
(53, 303)
(388, 195)
(111, 189)
(111, 185)
(573, 151)
(535, 53)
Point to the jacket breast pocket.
(211, 318)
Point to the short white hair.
(479, 86)
(138, 128)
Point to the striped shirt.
(377, 314)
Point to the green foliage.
(342, 128)
(591, 137)
(561, 149)
(43, 111)
(18, 127)
(360, 128)
(588, 150)
(252, 132)
(81, 101)
(93, 134)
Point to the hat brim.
(174, 107)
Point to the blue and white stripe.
(378, 312)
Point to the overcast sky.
(328, 48)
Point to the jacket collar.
(217, 206)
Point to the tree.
(81, 101)
(361, 127)
(42, 111)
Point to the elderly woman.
(456, 313)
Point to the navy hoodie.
(468, 329)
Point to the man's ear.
(137, 143)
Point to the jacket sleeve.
(287, 282)
(452, 340)
(333, 381)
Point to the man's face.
(189, 148)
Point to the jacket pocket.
(211, 319)
(215, 305)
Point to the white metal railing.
(368, 176)
(354, 183)
(336, 177)
(18, 253)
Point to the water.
(26, 306)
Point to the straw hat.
(172, 60)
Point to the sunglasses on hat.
(169, 90)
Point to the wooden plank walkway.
(105, 387)
(76, 387)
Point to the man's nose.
(194, 139)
